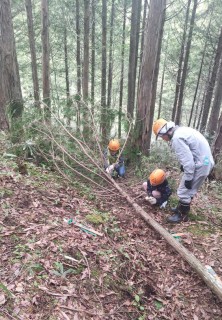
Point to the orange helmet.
(157, 177)
(114, 145)
(158, 125)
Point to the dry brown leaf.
(2, 299)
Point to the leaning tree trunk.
(211, 84)
(185, 65)
(145, 111)
(199, 268)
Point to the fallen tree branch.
(200, 269)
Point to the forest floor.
(54, 270)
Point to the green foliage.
(158, 304)
(97, 217)
(60, 271)
(138, 303)
(5, 289)
(160, 157)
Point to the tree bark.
(217, 146)
(45, 58)
(122, 70)
(10, 87)
(78, 63)
(180, 66)
(93, 57)
(134, 35)
(197, 85)
(68, 100)
(110, 72)
(215, 111)
(85, 87)
(103, 84)
(28, 5)
(185, 65)
(211, 84)
(148, 78)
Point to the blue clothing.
(163, 188)
(109, 159)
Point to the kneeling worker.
(113, 161)
(157, 188)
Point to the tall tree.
(45, 57)
(68, 100)
(78, 63)
(162, 80)
(10, 88)
(85, 87)
(211, 84)
(28, 5)
(103, 84)
(181, 59)
(198, 83)
(215, 111)
(217, 146)
(122, 70)
(93, 55)
(151, 52)
(133, 55)
(110, 74)
(185, 64)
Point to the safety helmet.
(157, 177)
(161, 126)
(114, 145)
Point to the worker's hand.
(110, 168)
(188, 184)
(151, 200)
(163, 205)
(181, 168)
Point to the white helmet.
(169, 125)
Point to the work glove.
(181, 168)
(188, 184)
(151, 200)
(110, 168)
(163, 205)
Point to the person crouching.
(113, 160)
(157, 188)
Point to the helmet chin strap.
(170, 133)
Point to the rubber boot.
(181, 213)
(174, 210)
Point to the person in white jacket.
(194, 154)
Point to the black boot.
(174, 210)
(181, 213)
